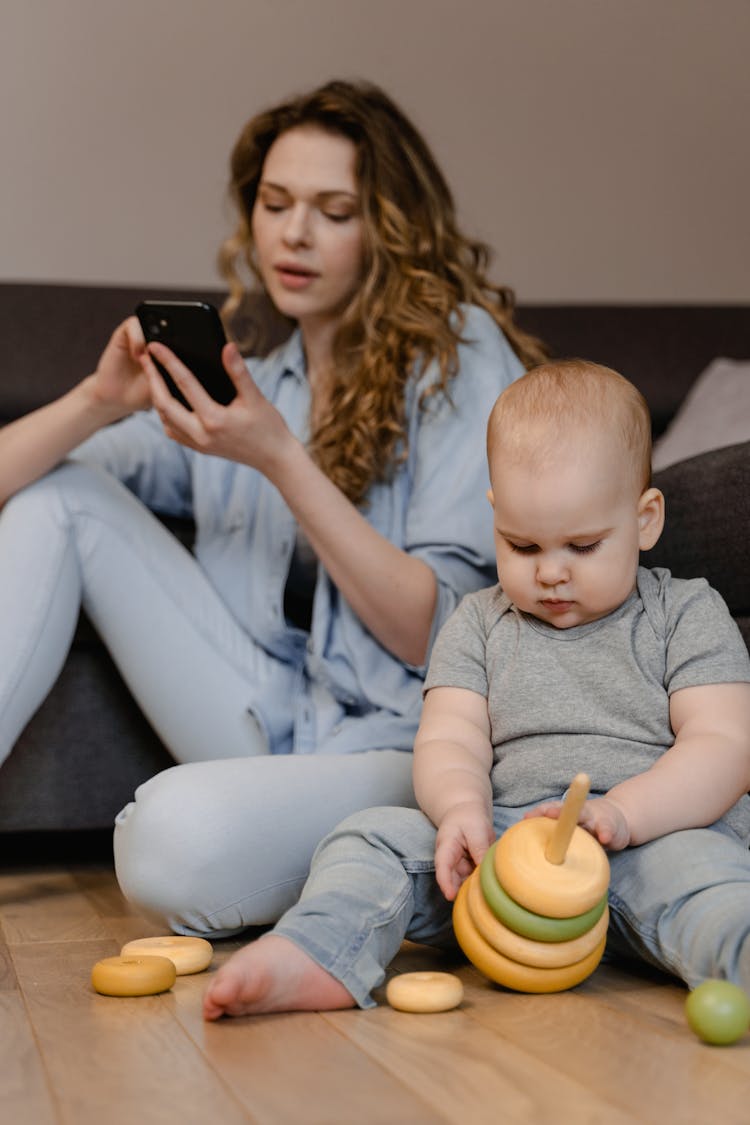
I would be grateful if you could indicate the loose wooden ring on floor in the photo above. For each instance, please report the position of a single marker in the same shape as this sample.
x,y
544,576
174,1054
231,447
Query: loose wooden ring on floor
x,y
133,975
424,992
188,954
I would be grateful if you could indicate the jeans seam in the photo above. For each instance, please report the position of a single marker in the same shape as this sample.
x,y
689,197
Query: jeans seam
x,y
26,659
87,514
342,965
383,918
647,934
239,902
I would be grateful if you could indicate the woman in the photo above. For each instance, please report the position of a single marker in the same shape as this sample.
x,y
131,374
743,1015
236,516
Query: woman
x,y
336,501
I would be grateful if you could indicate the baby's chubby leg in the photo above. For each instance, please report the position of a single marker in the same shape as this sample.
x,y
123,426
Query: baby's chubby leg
x,y
371,884
682,902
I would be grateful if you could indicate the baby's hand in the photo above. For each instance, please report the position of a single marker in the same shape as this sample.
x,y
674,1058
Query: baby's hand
x,y
464,835
600,816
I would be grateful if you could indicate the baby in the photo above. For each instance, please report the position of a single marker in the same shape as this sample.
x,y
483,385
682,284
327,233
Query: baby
x,y
578,660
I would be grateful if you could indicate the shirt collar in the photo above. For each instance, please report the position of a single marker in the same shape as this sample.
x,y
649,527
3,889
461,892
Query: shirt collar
x,y
292,357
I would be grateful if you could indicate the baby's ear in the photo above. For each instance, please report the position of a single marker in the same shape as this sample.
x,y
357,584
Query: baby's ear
x,y
650,518
491,497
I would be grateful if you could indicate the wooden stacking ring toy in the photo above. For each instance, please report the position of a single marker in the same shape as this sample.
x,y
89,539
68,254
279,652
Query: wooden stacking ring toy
x,y
558,889
533,916
424,992
133,975
188,954
513,974
543,954
525,922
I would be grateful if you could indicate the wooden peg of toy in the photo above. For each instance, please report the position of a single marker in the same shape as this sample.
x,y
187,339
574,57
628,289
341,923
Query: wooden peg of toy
x,y
575,799
574,882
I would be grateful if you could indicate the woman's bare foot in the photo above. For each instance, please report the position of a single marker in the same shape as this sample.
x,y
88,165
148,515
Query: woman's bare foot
x,y
272,974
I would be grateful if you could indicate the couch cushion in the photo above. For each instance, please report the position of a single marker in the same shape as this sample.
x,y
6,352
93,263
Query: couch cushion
x,y
715,413
706,534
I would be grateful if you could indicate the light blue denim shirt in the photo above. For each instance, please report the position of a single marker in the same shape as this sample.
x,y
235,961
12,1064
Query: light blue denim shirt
x,y
354,695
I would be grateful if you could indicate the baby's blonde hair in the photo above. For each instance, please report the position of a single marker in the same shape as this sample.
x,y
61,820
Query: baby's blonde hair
x,y
558,403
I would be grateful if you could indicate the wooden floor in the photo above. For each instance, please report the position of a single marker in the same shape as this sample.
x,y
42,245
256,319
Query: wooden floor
x,y
615,1050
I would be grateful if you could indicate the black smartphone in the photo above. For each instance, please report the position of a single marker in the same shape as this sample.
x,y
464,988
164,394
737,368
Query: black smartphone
x,y
194,332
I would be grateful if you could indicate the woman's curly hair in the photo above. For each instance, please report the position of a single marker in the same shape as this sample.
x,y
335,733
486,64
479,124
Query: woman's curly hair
x,y
418,270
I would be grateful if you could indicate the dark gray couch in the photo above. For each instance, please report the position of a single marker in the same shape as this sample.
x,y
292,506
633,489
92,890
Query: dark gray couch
x,y
83,754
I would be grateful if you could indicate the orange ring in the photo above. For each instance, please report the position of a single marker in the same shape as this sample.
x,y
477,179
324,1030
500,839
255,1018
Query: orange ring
x,y
502,970
133,976
557,890
188,954
424,992
538,927
539,954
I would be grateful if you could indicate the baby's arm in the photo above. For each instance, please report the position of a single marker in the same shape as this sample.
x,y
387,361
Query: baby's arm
x,y
704,772
452,763
692,784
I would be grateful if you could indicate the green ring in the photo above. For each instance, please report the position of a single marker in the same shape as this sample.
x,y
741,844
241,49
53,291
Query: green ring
x,y
538,927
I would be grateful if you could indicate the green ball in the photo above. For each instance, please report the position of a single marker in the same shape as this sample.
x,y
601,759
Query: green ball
x,y
718,1012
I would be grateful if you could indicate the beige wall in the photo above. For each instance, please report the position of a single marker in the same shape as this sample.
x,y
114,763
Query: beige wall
x,y
600,146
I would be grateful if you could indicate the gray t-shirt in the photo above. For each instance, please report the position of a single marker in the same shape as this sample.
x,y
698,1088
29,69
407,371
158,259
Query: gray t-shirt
x,y
593,698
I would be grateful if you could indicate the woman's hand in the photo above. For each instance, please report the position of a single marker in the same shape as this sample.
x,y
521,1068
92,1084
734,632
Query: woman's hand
x,y
119,382
392,592
249,430
34,444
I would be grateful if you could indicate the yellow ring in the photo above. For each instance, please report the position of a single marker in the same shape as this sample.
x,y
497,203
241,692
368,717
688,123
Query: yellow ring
x,y
558,890
538,927
502,970
133,976
541,954
424,992
188,954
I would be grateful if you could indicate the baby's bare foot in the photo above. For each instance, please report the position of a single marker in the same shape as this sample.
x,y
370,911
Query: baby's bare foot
x,y
272,974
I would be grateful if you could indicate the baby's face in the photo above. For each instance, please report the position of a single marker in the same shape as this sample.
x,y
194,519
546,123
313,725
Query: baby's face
x,y
567,536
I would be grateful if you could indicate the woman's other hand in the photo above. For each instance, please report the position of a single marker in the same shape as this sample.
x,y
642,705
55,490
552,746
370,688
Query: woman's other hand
x,y
119,380
34,444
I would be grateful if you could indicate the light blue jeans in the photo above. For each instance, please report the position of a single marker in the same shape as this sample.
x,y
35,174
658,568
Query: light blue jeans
x,y
681,903
225,841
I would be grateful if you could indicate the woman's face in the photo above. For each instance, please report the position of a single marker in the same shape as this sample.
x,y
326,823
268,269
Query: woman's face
x,y
307,226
